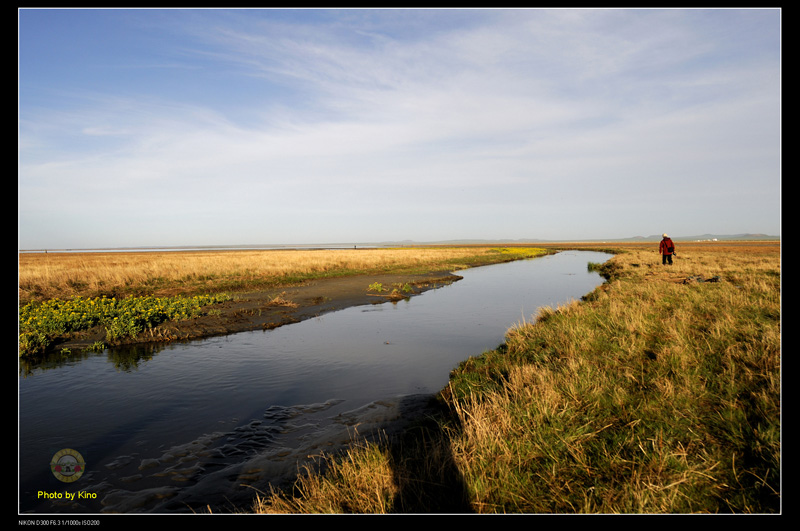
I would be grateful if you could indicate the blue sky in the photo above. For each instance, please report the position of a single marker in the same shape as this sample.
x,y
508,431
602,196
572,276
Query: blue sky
x,y
142,127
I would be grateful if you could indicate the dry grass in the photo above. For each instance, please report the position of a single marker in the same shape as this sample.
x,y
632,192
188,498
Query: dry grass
x,y
360,481
659,394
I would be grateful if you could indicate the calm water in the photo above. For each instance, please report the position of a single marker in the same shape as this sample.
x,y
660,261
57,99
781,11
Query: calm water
x,y
187,425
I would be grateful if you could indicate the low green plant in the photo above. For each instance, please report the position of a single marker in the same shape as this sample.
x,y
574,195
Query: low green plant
x,y
41,323
97,346
375,286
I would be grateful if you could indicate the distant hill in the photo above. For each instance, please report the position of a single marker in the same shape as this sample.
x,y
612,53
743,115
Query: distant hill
x,y
706,237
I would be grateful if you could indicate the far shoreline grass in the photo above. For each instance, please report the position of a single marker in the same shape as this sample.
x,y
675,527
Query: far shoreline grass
x,y
44,276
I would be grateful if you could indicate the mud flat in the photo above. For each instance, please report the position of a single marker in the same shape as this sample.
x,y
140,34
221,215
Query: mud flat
x,y
263,310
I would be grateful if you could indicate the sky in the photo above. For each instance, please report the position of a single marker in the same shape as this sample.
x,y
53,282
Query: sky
x,y
173,127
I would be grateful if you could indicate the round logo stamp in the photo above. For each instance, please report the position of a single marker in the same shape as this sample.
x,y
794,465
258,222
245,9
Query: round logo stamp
x,y
67,465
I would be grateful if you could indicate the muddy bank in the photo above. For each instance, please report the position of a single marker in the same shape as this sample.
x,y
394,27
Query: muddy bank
x,y
276,307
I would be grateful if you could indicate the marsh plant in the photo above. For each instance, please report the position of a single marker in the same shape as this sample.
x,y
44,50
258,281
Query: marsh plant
x,y
282,300
376,287
41,323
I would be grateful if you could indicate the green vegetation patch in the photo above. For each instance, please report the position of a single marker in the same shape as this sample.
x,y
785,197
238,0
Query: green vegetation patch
x,y
41,323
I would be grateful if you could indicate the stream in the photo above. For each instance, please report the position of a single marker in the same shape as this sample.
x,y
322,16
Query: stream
x,y
177,428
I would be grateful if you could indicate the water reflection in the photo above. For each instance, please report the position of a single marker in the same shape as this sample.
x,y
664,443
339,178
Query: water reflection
x,y
124,359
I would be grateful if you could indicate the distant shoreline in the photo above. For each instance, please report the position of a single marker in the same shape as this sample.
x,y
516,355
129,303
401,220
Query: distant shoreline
x,y
200,248
403,243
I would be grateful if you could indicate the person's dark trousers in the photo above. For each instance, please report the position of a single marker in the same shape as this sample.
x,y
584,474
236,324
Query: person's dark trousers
x,y
666,259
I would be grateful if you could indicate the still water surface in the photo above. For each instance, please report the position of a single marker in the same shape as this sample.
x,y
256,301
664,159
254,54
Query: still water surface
x,y
177,428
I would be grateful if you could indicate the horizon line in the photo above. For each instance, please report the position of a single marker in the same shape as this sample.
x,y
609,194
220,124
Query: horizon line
x,y
701,237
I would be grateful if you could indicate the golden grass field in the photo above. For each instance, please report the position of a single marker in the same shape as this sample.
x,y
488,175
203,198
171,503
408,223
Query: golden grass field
x,y
49,275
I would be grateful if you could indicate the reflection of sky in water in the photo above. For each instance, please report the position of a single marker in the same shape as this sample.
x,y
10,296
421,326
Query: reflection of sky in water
x,y
352,357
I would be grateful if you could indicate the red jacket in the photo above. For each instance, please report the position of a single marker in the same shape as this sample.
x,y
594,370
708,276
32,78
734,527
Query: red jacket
x,y
666,246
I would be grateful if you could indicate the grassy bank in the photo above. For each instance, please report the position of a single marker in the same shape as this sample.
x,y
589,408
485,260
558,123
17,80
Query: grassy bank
x,y
660,393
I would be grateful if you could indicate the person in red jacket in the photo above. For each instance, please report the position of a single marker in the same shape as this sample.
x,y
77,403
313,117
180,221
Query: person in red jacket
x,y
667,249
